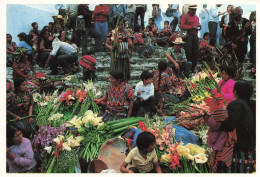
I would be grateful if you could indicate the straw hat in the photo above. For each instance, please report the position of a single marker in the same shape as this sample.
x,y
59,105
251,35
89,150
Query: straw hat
x,y
60,17
193,6
178,40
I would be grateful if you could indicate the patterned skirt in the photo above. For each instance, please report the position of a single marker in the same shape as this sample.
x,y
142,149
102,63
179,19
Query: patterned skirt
x,y
122,65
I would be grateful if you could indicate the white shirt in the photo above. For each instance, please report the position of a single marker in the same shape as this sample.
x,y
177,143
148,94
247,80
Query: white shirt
x,y
213,14
63,48
146,91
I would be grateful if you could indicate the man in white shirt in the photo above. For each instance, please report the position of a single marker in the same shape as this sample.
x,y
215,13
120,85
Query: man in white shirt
x,y
214,20
62,53
144,91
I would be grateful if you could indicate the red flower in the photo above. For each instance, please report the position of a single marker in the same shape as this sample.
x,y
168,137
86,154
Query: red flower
x,y
174,161
56,154
142,126
59,146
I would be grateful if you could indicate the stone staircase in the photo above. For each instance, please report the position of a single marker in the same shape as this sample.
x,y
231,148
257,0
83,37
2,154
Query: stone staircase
x,y
137,66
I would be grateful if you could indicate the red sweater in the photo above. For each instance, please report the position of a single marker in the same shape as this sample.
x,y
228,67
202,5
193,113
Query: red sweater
x,y
99,14
188,22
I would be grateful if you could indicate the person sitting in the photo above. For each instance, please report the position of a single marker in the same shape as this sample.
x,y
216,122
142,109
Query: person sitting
x,y
144,91
177,59
44,47
25,42
240,126
119,98
19,155
143,158
22,67
64,54
164,35
59,28
206,50
20,104
34,33
10,48
143,49
152,30
163,85
226,84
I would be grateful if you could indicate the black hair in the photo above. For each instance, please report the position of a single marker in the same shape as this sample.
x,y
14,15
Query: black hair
x,y
244,90
228,70
34,23
24,37
212,42
206,34
10,132
17,82
9,35
146,75
162,67
46,43
167,22
51,23
118,75
144,140
137,28
151,19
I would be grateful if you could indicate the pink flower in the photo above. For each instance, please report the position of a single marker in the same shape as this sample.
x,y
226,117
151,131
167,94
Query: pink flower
x,y
161,148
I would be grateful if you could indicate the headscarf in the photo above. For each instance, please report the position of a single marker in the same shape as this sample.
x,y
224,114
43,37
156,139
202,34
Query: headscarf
x,y
19,53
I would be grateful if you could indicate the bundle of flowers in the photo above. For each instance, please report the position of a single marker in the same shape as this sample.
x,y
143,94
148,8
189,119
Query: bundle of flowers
x,y
59,145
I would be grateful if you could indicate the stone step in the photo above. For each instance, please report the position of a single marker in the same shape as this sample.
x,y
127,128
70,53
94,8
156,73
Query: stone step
x,y
133,67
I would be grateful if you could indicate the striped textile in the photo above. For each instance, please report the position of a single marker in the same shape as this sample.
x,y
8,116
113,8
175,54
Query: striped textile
x,y
226,154
220,115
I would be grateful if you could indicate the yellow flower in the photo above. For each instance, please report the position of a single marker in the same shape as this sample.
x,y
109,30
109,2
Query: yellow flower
x,y
203,75
201,158
190,157
58,139
182,150
165,158
66,146
87,118
89,112
71,97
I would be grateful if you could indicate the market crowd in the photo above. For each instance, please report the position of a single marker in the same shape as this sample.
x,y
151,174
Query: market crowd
x,y
119,29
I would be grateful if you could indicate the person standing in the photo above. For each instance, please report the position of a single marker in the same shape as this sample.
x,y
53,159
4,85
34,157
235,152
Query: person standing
x,y
101,13
114,11
73,13
190,22
239,40
131,8
174,8
83,9
225,19
204,20
214,20
140,11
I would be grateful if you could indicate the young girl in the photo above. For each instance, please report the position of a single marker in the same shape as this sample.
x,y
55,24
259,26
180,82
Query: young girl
x,y
143,158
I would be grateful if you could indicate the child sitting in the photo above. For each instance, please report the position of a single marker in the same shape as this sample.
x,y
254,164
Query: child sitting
x,y
144,91
143,158
164,35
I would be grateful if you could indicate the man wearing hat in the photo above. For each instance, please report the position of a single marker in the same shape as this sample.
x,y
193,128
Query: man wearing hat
x,y
177,59
239,40
190,23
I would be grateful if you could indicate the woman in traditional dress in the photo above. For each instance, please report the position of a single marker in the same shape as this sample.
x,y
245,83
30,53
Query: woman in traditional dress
x,y
22,67
120,44
10,48
143,49
20,104
119,98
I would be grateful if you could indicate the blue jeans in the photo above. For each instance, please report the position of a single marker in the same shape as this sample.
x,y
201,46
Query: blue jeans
x,y
102,29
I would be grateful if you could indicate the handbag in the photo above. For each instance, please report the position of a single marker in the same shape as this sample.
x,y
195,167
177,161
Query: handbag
x,y
80,24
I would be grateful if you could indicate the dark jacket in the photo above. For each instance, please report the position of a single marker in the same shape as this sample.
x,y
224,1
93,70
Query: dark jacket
x,y
233,31
241,117
83,9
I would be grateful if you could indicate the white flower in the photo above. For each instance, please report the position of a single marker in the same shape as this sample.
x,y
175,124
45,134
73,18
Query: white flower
x,y
66,146
36,97
201,158
98,94
48,149
89,112
43,103
58,139
79,138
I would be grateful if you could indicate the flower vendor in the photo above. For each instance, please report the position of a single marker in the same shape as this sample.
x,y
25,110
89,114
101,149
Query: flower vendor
x,y
20,104
120,43
119,98
143,157
22,67
20,156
